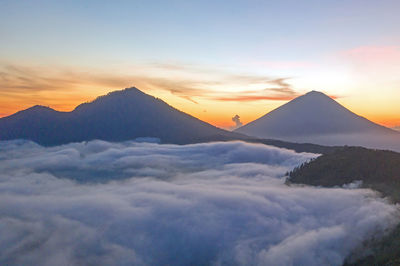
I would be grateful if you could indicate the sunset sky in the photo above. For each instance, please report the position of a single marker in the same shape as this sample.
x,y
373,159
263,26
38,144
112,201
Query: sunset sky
x,y
211,59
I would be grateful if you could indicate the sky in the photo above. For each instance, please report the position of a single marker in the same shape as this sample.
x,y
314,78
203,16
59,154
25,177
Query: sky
x,y
211,59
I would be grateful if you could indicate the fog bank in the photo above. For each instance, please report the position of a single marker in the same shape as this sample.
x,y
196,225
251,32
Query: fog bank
x,y
101,203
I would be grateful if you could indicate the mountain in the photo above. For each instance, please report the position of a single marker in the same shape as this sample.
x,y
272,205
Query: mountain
x,y
118,116
377,169
317,118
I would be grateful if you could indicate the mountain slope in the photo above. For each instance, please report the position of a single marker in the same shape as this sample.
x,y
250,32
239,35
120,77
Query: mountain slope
x,y
378,170
316,118
118,116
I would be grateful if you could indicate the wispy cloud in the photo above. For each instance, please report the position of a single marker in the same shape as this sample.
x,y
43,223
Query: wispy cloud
x,y
249,98
380,62
17,78
187,81
375,54
282,91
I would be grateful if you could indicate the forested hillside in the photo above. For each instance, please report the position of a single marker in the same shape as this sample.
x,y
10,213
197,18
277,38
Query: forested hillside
x,y
377,169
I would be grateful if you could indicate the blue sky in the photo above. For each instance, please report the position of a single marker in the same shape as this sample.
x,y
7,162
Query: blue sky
x,y
206,31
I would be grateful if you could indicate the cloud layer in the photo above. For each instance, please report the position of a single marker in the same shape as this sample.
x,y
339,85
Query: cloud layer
x,y
101,203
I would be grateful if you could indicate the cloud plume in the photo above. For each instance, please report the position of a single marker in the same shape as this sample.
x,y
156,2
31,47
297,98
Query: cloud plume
x,y
100,203
237,121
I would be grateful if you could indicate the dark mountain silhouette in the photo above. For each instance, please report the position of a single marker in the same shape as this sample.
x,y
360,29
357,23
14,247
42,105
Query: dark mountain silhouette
x,y
117,116
317,118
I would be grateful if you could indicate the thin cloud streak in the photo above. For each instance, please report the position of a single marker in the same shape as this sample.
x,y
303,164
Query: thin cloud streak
x,y
284,92
251,98
189,82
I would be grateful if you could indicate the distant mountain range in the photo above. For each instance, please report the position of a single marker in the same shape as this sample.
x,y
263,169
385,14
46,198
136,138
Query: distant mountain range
x,y
118,116
317,118
131,114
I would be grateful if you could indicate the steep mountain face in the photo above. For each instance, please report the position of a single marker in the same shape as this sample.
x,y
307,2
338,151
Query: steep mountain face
x,y
118,116
316,118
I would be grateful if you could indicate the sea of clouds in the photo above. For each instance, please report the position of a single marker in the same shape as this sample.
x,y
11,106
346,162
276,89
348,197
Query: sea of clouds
x,y
101,203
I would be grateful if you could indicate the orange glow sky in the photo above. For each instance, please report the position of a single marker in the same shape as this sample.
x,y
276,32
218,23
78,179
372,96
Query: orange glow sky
x,y
246,58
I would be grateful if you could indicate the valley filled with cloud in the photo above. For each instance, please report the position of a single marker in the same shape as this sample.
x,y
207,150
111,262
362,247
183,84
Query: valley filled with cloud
x,y
130,203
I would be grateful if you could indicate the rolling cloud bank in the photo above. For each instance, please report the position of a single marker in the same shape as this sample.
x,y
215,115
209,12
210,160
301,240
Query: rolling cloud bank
x,y
101,203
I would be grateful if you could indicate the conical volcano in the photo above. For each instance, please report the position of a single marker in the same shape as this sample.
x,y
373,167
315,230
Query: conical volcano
x,y
317,118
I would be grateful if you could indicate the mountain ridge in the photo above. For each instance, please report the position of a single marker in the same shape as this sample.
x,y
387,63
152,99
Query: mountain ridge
x,y
317,118
118,116
314,101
